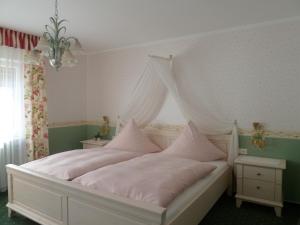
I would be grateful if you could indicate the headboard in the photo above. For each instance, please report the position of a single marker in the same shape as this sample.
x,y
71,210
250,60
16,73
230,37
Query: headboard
x,y
163,135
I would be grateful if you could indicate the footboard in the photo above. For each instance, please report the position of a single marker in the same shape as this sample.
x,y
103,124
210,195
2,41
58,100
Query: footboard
x,y
50,201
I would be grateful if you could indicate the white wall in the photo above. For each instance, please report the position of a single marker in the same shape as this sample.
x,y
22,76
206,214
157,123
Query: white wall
x,y
249,74
66,92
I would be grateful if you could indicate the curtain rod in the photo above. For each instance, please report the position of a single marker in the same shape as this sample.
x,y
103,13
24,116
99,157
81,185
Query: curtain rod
x,y
160,57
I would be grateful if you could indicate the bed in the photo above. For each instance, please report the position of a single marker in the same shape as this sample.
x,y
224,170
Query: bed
x,y
51,201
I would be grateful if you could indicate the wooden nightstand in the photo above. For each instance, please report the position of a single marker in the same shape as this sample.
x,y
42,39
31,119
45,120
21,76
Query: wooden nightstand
x,y
259,180
92,143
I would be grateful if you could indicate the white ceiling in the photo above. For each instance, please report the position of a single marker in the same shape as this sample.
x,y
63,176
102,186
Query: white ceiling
x,y
107,24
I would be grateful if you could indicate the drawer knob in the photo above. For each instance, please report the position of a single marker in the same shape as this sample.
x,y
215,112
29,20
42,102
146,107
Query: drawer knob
x,y
258,174
258,187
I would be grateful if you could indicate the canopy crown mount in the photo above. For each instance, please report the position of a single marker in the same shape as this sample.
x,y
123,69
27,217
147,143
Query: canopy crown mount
x,y
161,57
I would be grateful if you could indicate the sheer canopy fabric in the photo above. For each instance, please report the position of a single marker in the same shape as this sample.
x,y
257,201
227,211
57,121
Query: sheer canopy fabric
x,y
149,96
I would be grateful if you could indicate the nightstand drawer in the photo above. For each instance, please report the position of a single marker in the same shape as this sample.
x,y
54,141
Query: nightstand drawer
x,y
259,173
259,189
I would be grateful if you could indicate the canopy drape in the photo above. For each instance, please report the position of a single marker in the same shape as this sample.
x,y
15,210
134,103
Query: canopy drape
x,y
149,96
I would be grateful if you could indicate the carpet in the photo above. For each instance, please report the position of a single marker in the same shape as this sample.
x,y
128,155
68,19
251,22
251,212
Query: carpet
x,y
16,219
223,213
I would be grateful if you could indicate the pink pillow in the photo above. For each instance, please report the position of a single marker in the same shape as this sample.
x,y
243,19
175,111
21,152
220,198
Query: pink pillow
x,y
193,145
131,138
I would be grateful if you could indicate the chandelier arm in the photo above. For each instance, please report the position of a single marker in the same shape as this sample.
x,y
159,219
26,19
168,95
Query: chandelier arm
x,y
50,29
67,44
64,43
61,42
61,21
48,37
64,29
53,20
71,38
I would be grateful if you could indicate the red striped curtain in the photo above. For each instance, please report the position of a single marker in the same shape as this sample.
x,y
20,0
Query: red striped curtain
x,y
15,39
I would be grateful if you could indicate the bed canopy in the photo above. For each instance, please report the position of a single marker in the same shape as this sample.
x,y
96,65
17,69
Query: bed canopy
x,y
150,92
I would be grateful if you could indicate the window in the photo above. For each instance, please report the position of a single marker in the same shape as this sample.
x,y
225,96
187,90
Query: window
x,y
11,104
12,113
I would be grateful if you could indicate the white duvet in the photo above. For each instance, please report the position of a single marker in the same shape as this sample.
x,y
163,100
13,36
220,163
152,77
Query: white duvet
x,y
155,178
72,164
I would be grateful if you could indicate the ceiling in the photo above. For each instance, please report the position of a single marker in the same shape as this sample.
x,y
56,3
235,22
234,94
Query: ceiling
x,y
107,24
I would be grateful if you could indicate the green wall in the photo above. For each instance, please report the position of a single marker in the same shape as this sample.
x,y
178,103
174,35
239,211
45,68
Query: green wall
x,y
67,138
281,148
92,130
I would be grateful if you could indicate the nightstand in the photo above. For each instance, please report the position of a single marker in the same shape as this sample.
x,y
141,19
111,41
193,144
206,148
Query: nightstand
x,y
259,180
92,143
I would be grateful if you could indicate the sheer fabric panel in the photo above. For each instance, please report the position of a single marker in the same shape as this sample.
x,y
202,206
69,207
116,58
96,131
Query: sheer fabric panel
x,y
150,94
147,98
12,124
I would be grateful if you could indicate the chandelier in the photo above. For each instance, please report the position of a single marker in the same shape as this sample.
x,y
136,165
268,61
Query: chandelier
x,y
58,49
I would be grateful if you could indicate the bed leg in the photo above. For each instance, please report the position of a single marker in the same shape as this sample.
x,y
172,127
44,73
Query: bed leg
x,y
230,186
238,203
277,211
10,191
229,191
9,213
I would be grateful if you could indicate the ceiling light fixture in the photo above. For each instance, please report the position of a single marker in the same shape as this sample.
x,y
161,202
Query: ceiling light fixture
x,y
59,49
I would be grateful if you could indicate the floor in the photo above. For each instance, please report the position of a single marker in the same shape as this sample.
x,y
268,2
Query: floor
x,y
223,213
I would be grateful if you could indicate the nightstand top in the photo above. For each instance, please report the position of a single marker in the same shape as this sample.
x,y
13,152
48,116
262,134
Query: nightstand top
x,y
95,142
261,161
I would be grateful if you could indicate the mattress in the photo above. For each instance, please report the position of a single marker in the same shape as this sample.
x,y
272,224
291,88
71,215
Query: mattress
x,y
189,194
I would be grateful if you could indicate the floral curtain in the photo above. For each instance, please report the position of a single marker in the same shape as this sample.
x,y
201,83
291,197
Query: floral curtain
x,y
36,112
35,100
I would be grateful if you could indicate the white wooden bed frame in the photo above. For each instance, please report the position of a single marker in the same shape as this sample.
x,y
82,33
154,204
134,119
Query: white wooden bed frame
x,y
51,201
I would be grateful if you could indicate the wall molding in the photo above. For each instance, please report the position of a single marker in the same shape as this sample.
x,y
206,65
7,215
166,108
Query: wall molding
x,y
67,124
272,134
77,123
198,35
243,132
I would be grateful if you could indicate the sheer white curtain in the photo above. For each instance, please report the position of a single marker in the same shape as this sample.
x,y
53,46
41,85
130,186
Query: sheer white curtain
x,y
206,122
149,96
12,116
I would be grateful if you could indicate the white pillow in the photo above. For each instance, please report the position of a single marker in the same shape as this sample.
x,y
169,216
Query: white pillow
x,y
193,145
131,138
